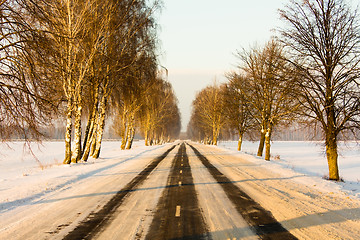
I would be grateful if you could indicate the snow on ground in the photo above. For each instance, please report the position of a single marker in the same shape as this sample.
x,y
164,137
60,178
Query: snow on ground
x,y
24,177
308,158
293,189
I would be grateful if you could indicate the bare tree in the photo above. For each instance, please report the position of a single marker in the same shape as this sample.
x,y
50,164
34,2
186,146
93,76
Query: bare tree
x,y
27,99
270,89
128,100
237,111
85,47
208,113
132,36
323,40
70,34
158,112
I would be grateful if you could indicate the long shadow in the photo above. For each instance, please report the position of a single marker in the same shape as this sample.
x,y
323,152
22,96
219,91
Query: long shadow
x,y
259,219
353,214
155,188
95,221
323,218
7,206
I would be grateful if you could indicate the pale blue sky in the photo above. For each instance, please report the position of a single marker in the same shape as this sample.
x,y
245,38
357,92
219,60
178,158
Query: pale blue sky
x,y
199,39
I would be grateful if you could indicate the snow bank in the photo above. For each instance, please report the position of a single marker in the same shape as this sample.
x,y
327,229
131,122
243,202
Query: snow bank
x,y
291,158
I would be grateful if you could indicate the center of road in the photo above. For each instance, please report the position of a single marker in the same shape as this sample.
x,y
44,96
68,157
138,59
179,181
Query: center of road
x,y
178,214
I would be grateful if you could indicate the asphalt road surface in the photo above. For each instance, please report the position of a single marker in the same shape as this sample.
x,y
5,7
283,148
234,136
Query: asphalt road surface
x,y
178,214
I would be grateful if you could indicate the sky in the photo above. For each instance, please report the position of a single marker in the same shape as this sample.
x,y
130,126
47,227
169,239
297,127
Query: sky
x,y
199,40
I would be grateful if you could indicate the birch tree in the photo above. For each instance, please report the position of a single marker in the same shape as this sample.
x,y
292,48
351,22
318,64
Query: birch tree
x,y
128,100
208,113
27,100
323,40
132,34
70,33
85,46
157,110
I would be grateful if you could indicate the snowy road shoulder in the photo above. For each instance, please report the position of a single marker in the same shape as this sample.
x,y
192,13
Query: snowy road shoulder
x,y
307,211
23,181
307,164
91,186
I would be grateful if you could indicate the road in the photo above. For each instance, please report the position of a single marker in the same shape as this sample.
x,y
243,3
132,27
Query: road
x,y
188,191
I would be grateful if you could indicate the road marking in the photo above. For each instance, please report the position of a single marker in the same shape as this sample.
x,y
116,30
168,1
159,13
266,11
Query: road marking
x,y
182,164
177,213
180,183
180,171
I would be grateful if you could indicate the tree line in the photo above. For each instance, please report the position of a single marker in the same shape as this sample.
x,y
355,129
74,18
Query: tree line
x,y
308,74
84,61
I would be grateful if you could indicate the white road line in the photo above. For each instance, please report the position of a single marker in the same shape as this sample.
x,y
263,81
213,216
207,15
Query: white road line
x,y
177,213
180,183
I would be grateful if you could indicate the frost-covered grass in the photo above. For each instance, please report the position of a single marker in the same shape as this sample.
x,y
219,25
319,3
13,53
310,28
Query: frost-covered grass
x,y
309,158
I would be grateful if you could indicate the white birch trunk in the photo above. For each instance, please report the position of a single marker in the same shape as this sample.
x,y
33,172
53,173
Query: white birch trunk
x,y
67,159
131,132
124,130
267,143
100,129
76,155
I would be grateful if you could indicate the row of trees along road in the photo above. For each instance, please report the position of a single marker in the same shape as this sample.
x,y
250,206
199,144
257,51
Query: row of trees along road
x,y
82,60
309,73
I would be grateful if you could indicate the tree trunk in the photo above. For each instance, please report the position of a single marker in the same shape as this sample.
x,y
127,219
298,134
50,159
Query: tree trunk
x,y
86,151
131,140
147,131
88,138
100,129
240,142
131,132
88,131
124,132
261,143
77,138
67,159
94,136
214,141
331,146
332,156
267,143
146,138
215,135
90,127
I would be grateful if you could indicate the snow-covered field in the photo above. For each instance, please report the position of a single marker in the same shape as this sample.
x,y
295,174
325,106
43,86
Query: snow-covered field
x,y
309,158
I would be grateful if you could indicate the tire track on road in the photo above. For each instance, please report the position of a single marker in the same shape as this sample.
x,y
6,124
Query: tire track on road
x,y
178,215
261,220
96,221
